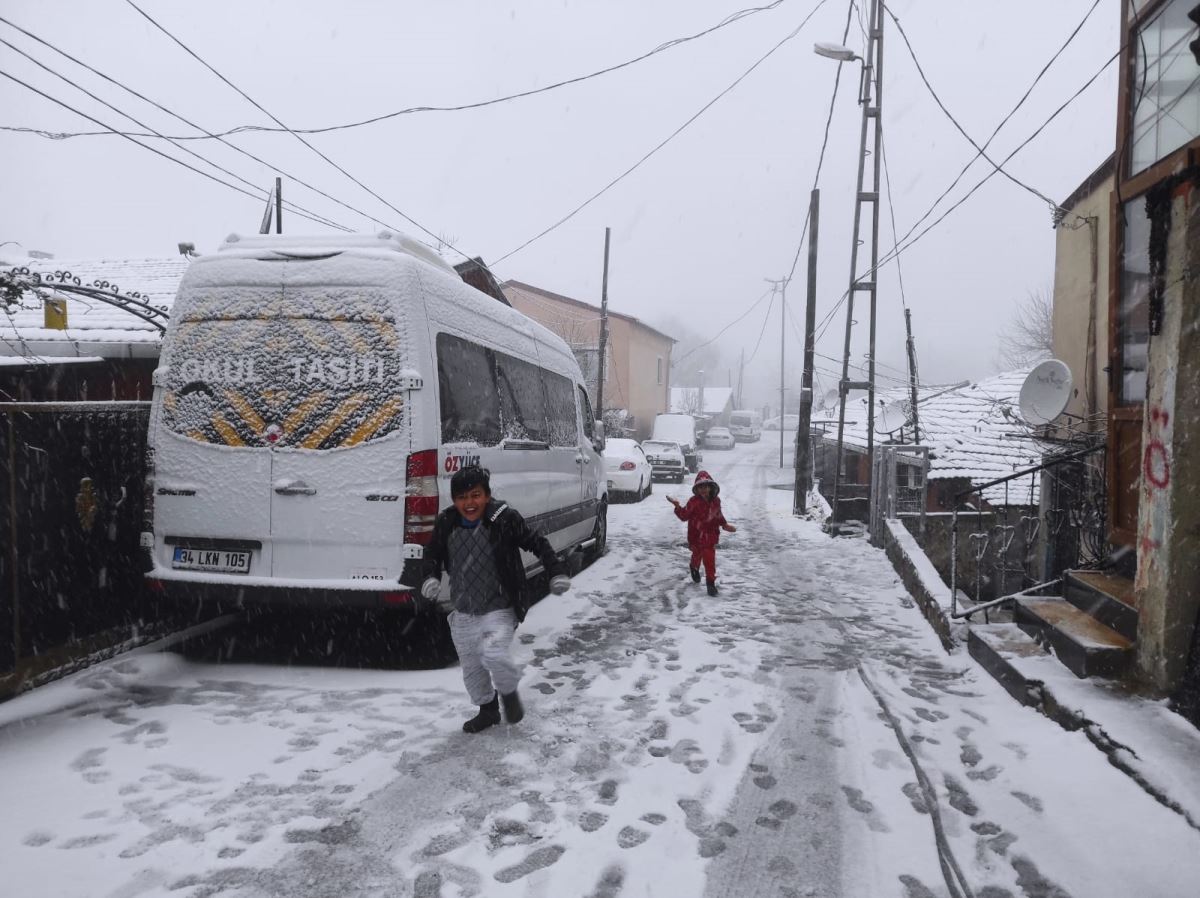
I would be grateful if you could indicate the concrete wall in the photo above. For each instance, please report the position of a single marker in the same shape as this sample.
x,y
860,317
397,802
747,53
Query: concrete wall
x,y
1081,291
1168,547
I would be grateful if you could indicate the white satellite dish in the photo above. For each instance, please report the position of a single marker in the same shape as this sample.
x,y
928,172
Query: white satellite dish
x,y
1046,392
891,417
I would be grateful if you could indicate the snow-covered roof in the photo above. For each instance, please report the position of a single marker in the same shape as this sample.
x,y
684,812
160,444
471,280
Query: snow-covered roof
x,y
92,322
687,400
973,431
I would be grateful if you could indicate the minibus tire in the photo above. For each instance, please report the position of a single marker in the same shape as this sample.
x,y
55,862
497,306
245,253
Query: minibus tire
x,y
599,534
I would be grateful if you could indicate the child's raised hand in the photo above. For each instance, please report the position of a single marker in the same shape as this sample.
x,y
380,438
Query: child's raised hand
x,y
673,501
729,528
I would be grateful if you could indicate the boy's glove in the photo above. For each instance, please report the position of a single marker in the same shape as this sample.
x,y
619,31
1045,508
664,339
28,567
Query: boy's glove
x,y
430,588
560,584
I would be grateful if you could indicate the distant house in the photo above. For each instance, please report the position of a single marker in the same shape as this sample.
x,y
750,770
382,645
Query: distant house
x,y
973,434
637,358
712,403
104,352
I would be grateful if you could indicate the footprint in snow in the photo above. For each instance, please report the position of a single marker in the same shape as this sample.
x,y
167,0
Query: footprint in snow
x,y
631,837
538,859
590,821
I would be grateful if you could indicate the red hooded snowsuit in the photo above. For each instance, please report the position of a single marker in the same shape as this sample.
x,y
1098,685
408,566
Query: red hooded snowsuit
x,y
704,520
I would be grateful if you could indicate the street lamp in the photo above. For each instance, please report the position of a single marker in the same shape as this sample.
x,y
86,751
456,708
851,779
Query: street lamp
x,y
835,51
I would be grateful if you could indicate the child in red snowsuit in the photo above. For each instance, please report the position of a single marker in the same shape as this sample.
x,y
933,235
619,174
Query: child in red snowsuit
x,y
705,523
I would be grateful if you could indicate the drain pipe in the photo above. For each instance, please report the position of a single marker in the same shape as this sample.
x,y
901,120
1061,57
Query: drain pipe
x,y
954,560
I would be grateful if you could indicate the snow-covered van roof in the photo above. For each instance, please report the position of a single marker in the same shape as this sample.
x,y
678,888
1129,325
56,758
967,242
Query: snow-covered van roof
x,y
973,431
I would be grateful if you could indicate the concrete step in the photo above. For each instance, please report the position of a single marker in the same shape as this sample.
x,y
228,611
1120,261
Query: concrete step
x,y
998,649
1106,597
1087,647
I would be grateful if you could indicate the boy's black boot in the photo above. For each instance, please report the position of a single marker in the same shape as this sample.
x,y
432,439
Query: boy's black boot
x,y
513,712
712,588
695,572
488,716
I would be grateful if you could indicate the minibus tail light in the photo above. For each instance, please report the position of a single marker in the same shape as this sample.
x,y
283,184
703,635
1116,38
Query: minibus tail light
x,y
421,497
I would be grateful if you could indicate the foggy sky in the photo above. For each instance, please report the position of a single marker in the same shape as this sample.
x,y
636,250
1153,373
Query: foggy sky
x,y
696,229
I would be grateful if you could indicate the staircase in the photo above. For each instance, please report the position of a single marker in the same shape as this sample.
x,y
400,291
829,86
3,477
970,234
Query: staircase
x,y
1091,628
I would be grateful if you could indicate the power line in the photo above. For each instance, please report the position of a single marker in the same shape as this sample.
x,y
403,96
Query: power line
x,y
603,190
718,334
154,150
668,45
1004,121
837,80
259,107
942,106
766,319
887,180
297,209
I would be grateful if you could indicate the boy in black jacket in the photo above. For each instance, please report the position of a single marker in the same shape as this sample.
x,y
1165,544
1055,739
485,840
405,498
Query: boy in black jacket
x,y
478,542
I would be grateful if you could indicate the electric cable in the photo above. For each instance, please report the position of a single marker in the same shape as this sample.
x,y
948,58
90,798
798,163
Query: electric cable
x,y
949,115
667,45
766,319
1004,121
719,333
837,80
603,190
260,108
144,146
264,194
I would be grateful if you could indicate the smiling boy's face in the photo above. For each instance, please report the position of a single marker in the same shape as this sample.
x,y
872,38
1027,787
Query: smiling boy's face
x,y
472,503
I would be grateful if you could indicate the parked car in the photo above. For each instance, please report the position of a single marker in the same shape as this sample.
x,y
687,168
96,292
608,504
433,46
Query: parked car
x,y
746,425
718,438
314,397
680,429
629,473
790,422
666,460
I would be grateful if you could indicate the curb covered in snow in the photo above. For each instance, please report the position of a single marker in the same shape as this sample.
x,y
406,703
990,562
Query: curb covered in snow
x,y
921,579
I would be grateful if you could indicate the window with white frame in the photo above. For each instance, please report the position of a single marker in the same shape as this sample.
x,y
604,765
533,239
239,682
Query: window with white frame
x,y
1165,104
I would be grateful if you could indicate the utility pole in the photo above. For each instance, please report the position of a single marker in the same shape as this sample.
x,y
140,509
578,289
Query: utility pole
x,y
803,482
781,286
279,205
912,375
741,374
603,331
872,122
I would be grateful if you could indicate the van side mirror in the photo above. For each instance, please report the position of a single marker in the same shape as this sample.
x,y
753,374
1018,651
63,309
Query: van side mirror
x,y
598,437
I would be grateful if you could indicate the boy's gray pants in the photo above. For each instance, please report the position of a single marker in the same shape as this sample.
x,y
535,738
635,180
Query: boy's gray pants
x,y
483,642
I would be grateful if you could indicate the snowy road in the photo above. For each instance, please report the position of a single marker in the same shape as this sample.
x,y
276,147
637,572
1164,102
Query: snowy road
x,y
804,734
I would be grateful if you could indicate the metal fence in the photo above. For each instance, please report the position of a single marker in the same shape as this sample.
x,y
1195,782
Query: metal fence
x,y
899,477
71,497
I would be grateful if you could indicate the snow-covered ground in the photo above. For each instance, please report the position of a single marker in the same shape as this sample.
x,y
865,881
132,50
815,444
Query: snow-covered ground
x,y
804,734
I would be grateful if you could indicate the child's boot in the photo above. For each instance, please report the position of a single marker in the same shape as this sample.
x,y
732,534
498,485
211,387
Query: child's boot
x,y
513,712
488,716
712,588
695,572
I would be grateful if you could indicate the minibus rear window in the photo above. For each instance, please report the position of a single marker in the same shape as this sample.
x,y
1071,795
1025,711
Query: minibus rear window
x,y
298,382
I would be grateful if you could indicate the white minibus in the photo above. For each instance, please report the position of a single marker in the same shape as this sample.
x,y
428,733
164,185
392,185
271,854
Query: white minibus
x,y
314,397
746,425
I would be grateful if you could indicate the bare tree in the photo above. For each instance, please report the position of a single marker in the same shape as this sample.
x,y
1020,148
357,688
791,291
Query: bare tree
x,y
1029,336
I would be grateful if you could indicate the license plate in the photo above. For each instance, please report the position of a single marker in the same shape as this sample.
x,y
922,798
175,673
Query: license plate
x,y
610,484
220,560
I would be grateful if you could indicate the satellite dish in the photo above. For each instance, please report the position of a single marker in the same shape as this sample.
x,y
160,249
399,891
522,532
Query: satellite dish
x,y
891,417
1046,392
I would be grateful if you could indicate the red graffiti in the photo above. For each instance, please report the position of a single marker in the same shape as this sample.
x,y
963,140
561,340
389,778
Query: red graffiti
x,y
1150,545
1156,463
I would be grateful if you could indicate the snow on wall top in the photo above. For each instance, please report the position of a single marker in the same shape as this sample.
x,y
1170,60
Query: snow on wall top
x,y
92,321
973,431
686,400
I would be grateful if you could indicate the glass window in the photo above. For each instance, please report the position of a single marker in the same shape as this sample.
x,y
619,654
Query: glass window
x,y
1133,311
560,406
522,400
589,426
470,401
240,373
1166,86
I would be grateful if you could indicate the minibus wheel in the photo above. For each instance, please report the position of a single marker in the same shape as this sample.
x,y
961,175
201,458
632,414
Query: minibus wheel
x,y
599,533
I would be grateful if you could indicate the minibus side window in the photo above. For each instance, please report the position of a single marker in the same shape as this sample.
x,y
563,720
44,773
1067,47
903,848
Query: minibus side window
x,y
522,400
470,401
589,427
560,396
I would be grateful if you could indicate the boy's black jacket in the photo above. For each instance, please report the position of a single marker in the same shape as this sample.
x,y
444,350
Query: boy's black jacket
x,y
508,534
